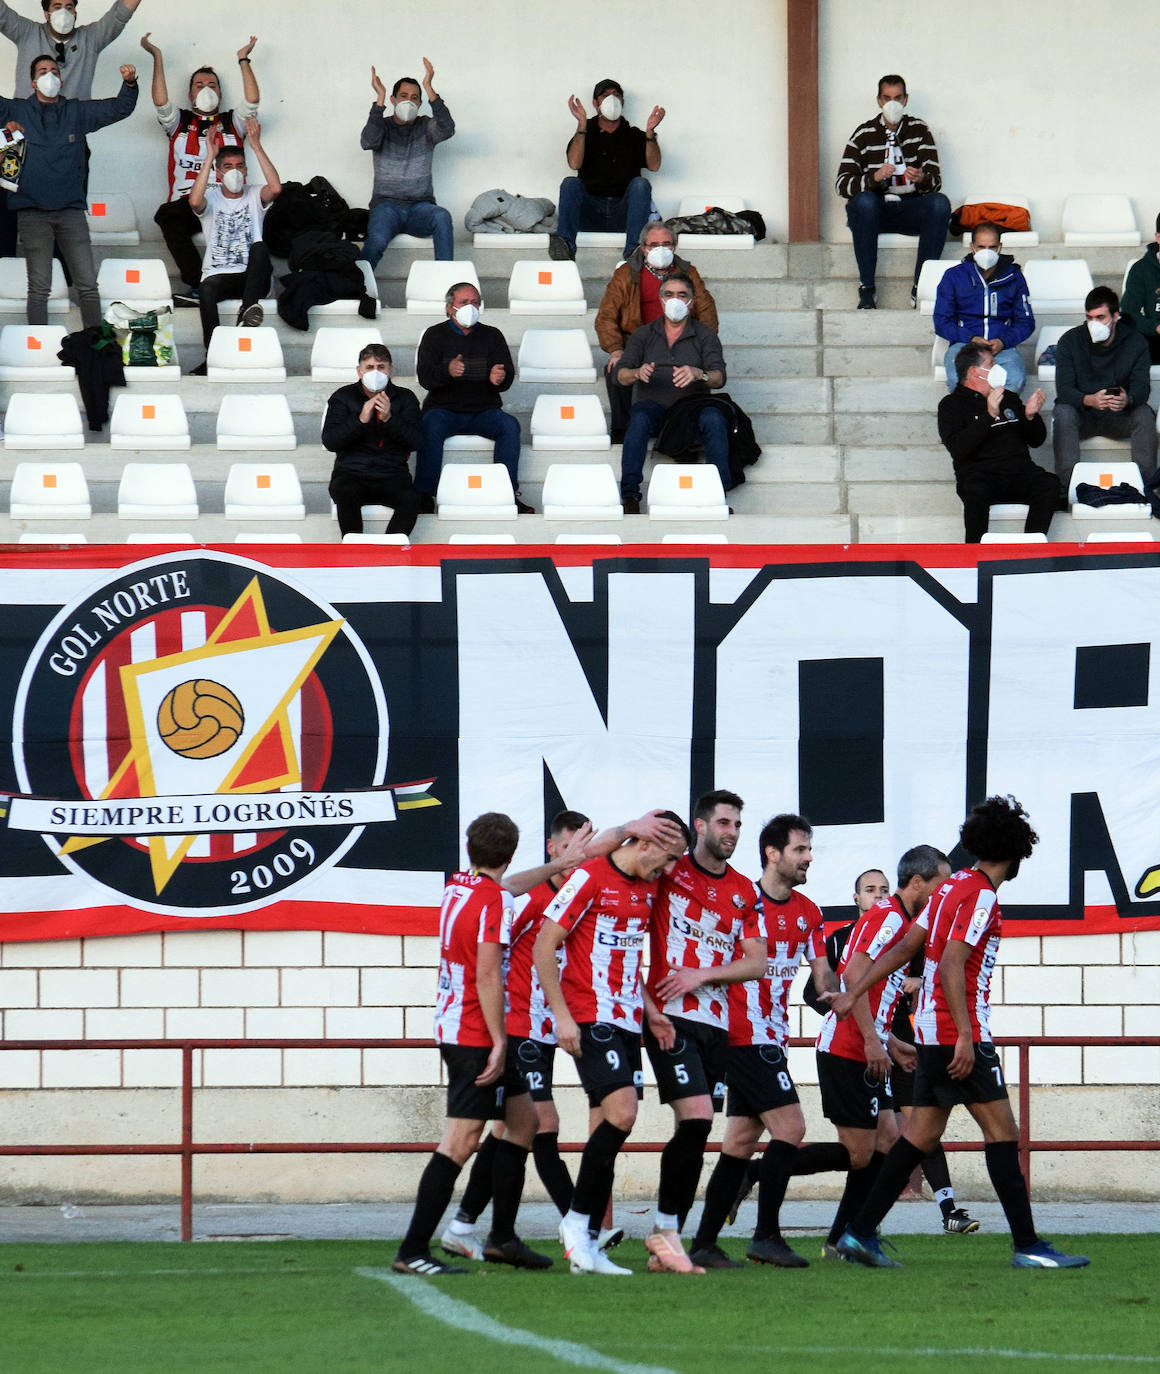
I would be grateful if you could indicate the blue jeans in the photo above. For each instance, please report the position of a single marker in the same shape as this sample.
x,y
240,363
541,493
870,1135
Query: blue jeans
x,y
440,425
645,420
424,219
868,214
603,214
1006,357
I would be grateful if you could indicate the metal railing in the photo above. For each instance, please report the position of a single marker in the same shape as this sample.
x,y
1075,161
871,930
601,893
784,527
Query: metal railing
x,y
188,1147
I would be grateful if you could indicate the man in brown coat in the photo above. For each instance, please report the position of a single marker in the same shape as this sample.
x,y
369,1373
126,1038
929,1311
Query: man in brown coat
x,y
632,298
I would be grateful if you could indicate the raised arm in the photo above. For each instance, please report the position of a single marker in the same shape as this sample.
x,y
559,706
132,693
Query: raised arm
x,y
214,142
250,91
273,186
903,952
159,90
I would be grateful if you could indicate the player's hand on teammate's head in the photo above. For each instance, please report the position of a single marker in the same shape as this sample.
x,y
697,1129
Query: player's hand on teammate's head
x,y
653,828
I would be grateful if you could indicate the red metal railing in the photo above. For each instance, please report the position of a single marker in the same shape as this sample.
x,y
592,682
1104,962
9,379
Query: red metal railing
x,y
188,1147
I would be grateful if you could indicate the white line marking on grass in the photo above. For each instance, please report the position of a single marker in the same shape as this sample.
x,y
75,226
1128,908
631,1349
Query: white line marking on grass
x,y
432,1303
966,1352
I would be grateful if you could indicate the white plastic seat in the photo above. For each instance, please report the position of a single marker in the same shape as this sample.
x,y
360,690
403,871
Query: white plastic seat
x,y
161,537
260,423
938,354
589,538
14,287
49,491
1107,475
373,514
28,353
245,355
581,491
555,355
1120,537
481,539
1011,238
569,422
49,537
401,541
992,537
157,491
428,283
1106,220
349,305
695,539
43,419
264,491
269,537
334,354
111,219
1009,510
928,280
599,238
698,205
149,422
141,282
481,239
545,287
1057,286
686,491
1045,336
475,491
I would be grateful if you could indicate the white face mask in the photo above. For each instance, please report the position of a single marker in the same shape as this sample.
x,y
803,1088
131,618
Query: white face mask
x,y
676,309
466,316
1098,331
612,107
375,381
997,377
63,21
986,258
660,257
207,100
893,111
233,180
406,111
48,84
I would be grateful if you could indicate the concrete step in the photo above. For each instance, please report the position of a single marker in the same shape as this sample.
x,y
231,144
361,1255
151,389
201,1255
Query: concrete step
x,y
908,360
865,465
837,259
910,529
903,498
886,431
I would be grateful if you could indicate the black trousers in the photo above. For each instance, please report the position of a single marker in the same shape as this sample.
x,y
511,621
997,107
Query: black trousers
x,y
995,481
350,492
250,285
178,225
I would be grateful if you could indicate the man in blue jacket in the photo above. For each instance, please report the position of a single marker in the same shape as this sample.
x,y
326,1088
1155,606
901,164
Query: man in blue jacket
x,y
50,204
984,300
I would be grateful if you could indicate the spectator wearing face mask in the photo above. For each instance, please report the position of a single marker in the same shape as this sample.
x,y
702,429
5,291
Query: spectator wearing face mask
x,y
632,298
989,433
673,357
189,131
1102,386
50,203
984,300
403,144
237,262
890,177
607,193
372,427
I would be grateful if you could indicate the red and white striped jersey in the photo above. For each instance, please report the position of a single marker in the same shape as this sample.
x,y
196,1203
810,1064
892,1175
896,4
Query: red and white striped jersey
x,y
528,1013
699,920
472,915
606,914
793,932
966,908
875,931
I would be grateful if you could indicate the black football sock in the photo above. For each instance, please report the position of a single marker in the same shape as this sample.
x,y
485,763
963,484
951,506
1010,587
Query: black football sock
x,y
1002,1158
936,1173
552,1170
436,1185
897,1167
772,1181
507,1182
858,1185
724,1182
597,1168
477,1194
829,1157
681,1162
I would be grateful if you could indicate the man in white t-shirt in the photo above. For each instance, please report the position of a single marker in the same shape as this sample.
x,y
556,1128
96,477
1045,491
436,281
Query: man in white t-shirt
x,y
236,262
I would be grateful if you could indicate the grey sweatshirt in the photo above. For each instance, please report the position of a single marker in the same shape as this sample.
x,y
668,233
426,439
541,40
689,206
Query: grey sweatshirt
x,y
402,152
82,47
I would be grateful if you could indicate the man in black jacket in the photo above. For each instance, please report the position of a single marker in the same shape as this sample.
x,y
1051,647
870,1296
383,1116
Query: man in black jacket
x,y
987,431
372,427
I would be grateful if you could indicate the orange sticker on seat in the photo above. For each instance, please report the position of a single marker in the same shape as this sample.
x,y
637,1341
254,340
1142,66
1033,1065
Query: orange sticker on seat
x,y
33,343
708,208
149,412
685,483
97,209
49,480
567,412
1105,479
474,482
245,344
263,481
133,276
545,278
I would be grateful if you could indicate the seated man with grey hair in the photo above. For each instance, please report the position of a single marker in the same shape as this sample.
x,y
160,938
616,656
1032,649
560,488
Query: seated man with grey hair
x,y
673,357
632,298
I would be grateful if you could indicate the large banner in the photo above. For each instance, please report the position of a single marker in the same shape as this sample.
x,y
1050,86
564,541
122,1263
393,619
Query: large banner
x,y
199,737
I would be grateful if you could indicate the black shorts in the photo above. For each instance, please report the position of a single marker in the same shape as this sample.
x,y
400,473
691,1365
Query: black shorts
x,y
609,1059
934,1087
533,1061
695,1066
465,1098
901,1087
850,1097
759,1080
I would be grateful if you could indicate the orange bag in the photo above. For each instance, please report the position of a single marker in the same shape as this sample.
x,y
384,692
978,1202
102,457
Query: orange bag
x,y
1005,216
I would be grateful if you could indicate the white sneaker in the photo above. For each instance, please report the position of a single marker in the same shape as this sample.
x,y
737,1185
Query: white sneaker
x,y
578,1247
609,1238
603,1265
465,1243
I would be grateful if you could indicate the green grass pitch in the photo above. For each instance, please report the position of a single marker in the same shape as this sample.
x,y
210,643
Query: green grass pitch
x,y
297,1306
